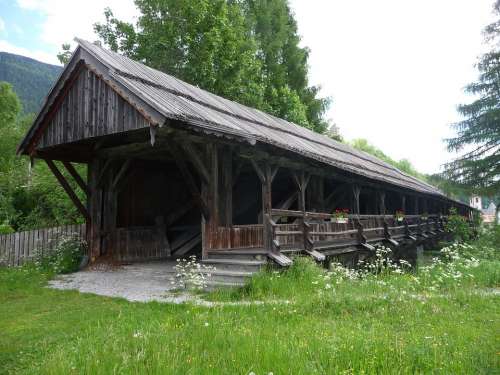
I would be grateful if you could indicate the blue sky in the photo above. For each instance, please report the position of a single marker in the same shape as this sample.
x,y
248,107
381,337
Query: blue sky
x,y
395,69
22,28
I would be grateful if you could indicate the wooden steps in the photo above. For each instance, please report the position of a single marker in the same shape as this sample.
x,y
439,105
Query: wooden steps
x,y
234,267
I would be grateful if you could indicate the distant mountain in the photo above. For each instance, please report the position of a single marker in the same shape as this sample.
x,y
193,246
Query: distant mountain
x,y
31,79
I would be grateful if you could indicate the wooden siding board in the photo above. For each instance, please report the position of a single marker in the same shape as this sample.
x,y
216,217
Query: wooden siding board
x,y
91,108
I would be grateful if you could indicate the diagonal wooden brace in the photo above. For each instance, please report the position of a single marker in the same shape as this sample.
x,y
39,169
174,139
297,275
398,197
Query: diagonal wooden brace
x,y
66,186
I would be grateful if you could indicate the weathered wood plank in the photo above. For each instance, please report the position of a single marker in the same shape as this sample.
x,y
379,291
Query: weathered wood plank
x,y
62,181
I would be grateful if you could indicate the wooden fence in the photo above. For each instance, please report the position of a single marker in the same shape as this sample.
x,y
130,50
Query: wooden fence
x,y
17,248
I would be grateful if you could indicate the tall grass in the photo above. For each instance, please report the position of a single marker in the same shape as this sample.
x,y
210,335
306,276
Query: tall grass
x,y
314,321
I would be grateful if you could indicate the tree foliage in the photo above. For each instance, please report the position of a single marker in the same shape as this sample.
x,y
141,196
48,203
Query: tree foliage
x,y
478,168
65,54
28,199
284,64
247,51
403,164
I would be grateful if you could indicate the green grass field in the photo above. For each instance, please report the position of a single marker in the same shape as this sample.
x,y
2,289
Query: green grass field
x,y
433,321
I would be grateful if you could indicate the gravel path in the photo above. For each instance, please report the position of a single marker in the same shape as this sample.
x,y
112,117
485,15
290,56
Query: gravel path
x,y
139,282
142,282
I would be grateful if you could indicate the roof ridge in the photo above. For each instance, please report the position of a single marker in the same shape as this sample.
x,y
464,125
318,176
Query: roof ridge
x,y
218,109
326,142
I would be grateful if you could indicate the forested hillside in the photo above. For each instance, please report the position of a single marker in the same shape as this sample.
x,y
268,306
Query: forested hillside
x,y
30,79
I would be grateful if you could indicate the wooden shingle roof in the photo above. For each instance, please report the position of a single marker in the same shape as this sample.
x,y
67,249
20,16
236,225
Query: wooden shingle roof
x,y
178,100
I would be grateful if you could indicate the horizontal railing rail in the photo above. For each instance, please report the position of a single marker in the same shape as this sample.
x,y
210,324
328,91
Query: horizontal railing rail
x,y
359,228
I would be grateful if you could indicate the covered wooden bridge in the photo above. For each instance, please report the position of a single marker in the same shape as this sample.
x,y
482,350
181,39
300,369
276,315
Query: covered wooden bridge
x,y
173,169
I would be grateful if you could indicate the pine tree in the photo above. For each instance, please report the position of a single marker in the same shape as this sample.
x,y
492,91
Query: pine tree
x,y
478,169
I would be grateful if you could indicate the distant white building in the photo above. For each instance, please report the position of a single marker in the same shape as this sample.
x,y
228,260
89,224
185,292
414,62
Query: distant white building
x,y
476,202
487,214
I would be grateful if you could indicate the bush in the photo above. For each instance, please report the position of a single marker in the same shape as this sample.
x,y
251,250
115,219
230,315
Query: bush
x,y
5,228
458,226
64,257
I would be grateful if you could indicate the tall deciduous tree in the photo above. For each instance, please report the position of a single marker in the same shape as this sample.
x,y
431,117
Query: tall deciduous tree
x,y
204,42
244,50
479,133
284,64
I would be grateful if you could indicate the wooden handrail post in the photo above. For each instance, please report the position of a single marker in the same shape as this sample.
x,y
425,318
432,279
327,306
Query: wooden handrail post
x,y
273,241
306,230
359,227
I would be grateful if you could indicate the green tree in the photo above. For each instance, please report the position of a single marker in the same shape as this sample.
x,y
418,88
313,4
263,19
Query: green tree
x,y
478,169
28,198
284,64
244,50
403,164
65,54
205,43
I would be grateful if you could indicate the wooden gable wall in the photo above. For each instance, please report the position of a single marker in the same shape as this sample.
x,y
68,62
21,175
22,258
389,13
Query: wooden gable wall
x,y
90,108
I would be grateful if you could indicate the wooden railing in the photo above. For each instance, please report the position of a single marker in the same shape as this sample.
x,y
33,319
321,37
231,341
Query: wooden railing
x,y
313,230
235,237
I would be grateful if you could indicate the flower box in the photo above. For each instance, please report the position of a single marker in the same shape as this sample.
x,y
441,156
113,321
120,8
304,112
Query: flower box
x,y
340,220
399,215
340,216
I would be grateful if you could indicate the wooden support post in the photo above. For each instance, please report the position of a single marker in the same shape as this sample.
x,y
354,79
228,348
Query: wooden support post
x,y
66,186
152,133
214,184
79,180
227,187
266,175
302,179
403,203
417,208
356,190
381,199
95,209
210,194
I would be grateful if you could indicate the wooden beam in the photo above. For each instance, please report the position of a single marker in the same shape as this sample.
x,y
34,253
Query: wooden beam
x,y
356,190
302,180
213,188
286,203
66,186
258,170
227,187
196,160
152,133
94,226
119,176
79,180
189,180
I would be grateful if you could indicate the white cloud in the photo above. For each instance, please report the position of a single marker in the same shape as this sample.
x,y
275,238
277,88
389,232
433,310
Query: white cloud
x,y
39,55
65,19
395,69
